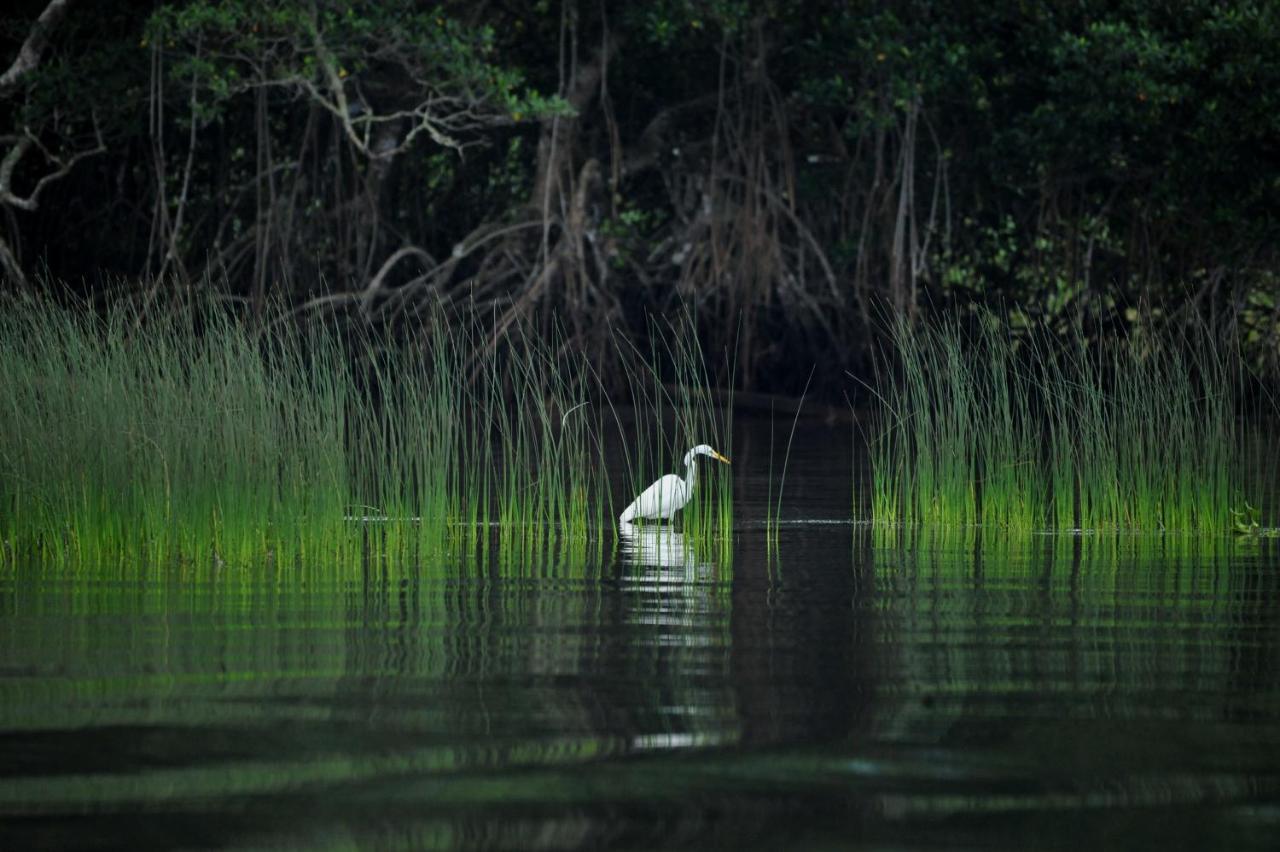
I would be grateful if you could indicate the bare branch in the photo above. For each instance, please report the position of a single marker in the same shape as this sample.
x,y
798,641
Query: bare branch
x,y
64,165
32,50
341,109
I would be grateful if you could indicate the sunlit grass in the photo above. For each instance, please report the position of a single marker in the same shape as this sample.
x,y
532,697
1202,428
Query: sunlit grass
x,y
161,440
191,436
978,429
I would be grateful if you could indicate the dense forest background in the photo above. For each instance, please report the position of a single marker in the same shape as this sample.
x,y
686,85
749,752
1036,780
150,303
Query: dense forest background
x,y
795,175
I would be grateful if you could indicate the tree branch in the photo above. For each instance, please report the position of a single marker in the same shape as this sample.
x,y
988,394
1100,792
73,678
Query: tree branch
x,y
32,50
21,146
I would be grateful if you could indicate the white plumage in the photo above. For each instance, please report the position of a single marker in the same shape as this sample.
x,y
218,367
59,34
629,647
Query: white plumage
x,y
670,494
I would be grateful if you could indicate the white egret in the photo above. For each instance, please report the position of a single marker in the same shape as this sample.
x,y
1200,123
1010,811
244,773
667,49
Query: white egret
x,y
669,494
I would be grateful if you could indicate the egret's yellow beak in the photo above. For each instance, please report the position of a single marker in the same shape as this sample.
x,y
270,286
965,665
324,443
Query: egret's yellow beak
x,y
719,457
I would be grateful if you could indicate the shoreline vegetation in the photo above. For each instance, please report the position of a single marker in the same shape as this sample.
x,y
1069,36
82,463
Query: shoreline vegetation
x,y
191,434
1146,432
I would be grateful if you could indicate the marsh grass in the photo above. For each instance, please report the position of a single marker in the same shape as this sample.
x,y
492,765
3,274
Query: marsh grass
x,y
117,441
191,436
709,517
673,409
976,428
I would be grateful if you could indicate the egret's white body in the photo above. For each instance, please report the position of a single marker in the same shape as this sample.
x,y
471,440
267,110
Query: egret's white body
x,y
670,494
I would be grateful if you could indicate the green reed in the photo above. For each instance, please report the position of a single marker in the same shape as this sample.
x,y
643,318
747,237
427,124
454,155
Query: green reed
x,y
553,476
1043,433
710,513
118,439
190,435
674,410
773,504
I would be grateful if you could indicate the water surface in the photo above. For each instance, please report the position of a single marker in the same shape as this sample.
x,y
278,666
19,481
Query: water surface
x,y
852,687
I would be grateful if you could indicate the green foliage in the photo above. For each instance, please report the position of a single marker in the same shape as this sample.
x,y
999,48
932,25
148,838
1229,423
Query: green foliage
x,y
1084,148
668,23
975,428
392,53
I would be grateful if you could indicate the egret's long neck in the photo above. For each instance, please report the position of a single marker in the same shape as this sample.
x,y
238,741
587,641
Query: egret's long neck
x,y
690,476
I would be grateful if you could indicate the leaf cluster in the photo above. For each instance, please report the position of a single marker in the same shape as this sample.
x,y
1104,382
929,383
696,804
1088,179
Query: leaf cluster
x,y
389,55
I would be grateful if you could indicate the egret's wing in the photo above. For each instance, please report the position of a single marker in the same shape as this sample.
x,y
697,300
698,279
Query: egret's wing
x,y
662,499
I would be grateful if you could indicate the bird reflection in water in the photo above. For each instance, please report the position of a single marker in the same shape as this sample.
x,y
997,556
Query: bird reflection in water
x,y
664,551
671,588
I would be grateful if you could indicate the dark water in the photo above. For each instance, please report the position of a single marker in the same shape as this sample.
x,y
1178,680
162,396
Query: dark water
x,y
849,689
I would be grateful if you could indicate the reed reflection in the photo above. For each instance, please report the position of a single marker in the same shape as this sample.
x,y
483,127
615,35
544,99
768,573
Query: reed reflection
x,y
1106,669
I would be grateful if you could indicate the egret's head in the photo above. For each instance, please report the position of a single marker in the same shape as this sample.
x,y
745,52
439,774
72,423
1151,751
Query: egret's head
x,y
703,450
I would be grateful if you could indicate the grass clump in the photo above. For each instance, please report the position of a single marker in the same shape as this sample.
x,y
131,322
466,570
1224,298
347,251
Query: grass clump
x,y
118,439
192,435
978,428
